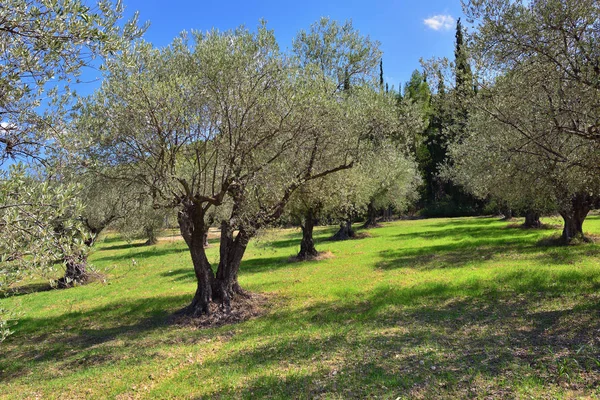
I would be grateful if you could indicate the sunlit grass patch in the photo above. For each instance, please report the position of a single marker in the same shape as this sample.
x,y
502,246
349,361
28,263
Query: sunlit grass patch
x,y
438,308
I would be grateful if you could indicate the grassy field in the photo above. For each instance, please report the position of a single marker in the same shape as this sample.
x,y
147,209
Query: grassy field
x,y
438,308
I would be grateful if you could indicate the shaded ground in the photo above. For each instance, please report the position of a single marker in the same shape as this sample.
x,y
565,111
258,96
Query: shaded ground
x,y
458,308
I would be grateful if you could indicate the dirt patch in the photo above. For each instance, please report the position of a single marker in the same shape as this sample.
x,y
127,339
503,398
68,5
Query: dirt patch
x,y
243,308
361,235
173,235
323,255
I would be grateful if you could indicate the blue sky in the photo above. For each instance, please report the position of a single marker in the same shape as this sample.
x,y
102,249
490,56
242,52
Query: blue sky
x,y
398,24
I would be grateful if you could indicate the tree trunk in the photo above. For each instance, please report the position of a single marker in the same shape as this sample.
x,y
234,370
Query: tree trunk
x,y
507,213
387,214
231,251
205,239
191,225
223,286
76,265
346,232
75,273
150,234
371,221
307,245
532,219
573,216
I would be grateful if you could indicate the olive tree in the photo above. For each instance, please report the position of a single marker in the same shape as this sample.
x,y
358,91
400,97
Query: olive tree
x,y
391,181
223,120
382,175
45,44
39,229
105,202
537,69
515,153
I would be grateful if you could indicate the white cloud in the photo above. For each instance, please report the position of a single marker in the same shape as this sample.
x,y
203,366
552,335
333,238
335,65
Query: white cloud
x,y
440,22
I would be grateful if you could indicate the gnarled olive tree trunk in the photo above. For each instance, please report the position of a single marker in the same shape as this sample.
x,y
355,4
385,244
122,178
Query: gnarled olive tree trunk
x,y
574,214
345,232
532,219
307,245
191,225
75,272
232,249
371,221
222,286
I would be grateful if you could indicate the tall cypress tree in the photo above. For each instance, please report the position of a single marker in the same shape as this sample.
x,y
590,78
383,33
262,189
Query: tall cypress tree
x,y
464,81
381,73
464,75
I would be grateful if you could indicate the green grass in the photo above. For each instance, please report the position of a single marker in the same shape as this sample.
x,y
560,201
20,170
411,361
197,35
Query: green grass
x,y
438,308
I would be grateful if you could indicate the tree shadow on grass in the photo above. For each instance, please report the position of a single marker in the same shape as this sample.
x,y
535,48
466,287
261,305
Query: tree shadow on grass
x,y
426,342
125,246
145,253
26,289
77,340
465,244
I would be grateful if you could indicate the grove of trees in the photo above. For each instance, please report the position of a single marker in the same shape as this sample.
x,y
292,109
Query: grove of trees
x,y
227,130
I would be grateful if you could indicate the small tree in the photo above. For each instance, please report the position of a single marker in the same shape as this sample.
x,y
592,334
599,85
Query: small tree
x,y
395,185
351,192
39,229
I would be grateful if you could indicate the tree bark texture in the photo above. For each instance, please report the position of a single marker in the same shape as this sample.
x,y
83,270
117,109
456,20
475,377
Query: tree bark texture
x,y
532,219
307,245
371,221
231,251
574,215
222,286
75,273
345,232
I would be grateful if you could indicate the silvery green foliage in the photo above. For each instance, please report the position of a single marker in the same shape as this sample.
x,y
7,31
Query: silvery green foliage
x,y
40,228
390,178
533,124
385,175
351,60
7,317
43,46
339,51
515,153
224,117
108,202
554,47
